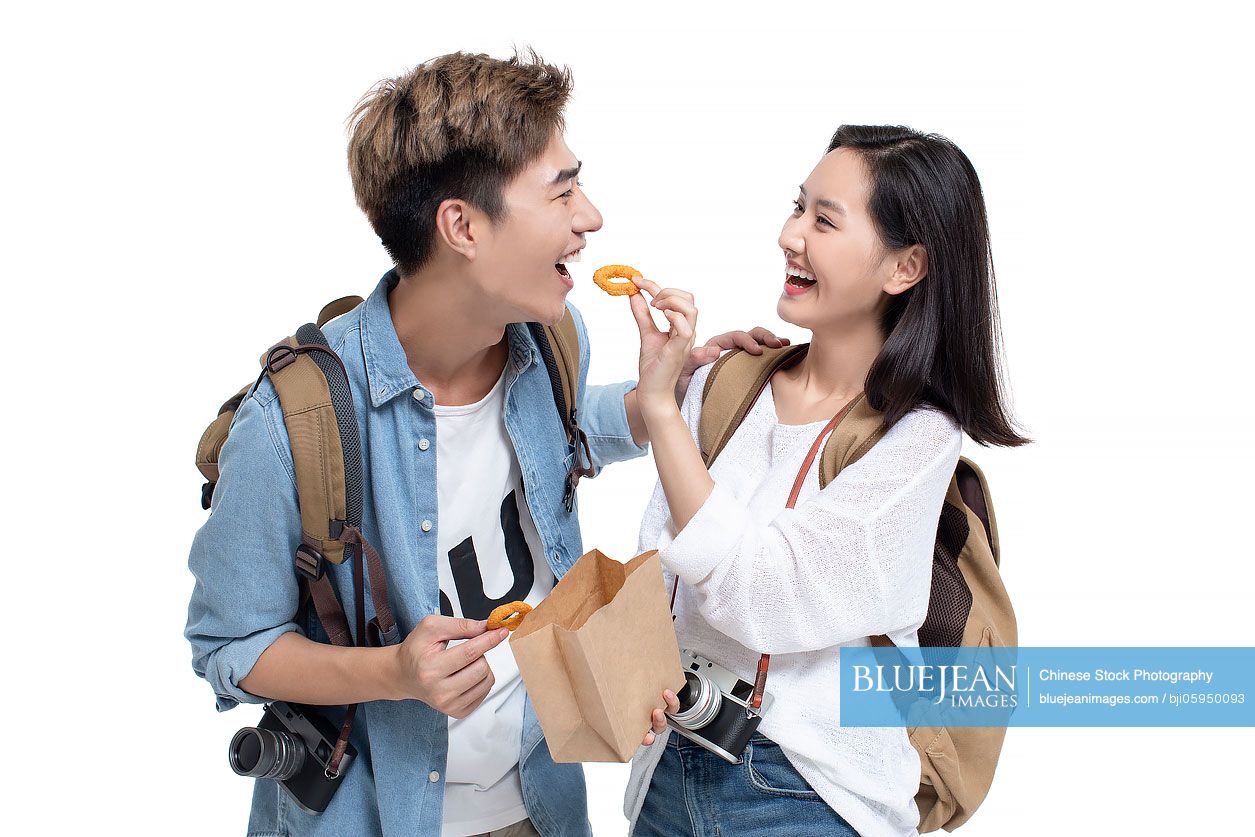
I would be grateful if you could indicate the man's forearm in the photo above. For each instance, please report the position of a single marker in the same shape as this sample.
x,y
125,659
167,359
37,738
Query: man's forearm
x,y
636,422
296,669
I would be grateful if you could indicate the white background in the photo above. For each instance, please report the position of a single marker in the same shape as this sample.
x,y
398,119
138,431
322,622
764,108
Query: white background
x,y
176,199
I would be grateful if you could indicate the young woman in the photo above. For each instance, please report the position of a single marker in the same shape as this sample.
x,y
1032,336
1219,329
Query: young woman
x,y
887,264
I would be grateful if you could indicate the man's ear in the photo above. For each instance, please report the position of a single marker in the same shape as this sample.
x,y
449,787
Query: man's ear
x,y
454,225
912,266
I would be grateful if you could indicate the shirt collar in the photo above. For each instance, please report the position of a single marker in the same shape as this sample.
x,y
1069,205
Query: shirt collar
x,y
388,372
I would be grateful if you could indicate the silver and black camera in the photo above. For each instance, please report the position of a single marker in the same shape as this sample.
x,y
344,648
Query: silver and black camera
x,y
292,744
714,708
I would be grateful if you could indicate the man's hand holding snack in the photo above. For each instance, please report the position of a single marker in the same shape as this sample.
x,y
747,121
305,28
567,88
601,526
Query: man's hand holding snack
x,y
451,680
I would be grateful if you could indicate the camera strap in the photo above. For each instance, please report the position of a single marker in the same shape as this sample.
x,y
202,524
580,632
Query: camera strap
x,y
764,661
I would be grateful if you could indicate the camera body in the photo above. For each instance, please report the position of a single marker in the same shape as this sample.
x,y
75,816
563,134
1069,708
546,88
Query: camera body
x,y
292,744
714,708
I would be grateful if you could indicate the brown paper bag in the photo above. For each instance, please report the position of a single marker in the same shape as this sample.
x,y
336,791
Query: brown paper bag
x,y
596,654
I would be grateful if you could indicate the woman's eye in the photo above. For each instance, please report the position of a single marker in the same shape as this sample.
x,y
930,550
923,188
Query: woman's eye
x,y
797,207
819,219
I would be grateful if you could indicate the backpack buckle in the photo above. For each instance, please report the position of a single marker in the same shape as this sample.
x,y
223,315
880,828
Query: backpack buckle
x,y
578,468
310,563
280,355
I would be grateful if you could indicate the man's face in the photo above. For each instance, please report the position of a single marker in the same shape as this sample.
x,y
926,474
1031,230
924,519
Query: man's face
x,y
547,215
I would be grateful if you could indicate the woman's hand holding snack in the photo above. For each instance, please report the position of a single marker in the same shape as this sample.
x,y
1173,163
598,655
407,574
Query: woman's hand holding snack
x,y
663,354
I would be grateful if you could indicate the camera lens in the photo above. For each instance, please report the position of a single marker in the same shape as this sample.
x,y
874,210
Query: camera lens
x,y
699,701
266,754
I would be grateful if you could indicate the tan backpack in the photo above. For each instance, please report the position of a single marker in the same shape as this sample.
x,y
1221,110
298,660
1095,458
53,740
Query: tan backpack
x,y
321,421
968,605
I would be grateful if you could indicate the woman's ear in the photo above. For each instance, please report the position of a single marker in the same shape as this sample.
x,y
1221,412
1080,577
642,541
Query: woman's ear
x,y
454,226
910,267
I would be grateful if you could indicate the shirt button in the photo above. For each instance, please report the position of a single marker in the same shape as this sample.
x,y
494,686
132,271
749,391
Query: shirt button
x,y
426,525
420,394
433,776
423,444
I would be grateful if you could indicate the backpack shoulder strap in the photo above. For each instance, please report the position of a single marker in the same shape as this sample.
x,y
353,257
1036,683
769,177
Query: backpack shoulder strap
x,y
318,450
336,307
738,379
732,386
559,347
564,342
321,423
854,436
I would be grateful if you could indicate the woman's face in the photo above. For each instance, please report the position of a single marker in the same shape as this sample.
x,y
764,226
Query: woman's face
x,y
847,275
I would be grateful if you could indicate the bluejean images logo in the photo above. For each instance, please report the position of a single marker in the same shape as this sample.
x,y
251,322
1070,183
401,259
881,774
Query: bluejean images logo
x,y
961,686
969,686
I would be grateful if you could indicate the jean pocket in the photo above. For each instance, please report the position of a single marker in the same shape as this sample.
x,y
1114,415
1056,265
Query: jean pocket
x,y
770,772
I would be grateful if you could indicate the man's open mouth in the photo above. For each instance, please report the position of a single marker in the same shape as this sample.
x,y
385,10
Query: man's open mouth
x,y
560,264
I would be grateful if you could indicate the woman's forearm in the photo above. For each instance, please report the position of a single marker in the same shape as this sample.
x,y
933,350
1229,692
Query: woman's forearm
x,y
684,477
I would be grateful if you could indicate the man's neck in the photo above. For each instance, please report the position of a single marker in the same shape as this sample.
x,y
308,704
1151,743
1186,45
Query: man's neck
x,y
449,345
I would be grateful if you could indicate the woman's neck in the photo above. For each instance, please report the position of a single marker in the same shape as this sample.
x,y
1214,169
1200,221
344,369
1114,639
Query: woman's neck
x,y
836,365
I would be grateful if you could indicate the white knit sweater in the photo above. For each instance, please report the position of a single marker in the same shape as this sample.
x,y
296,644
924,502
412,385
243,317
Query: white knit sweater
x,y
849,562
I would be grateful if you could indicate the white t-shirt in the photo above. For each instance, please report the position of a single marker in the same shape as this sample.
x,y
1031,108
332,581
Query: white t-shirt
x,y
487,546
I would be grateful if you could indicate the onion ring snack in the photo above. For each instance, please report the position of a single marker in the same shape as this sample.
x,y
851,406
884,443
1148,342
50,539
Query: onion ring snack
x,y
508,616
605,276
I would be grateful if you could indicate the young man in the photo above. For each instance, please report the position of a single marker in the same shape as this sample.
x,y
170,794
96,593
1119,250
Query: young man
x,y
462,169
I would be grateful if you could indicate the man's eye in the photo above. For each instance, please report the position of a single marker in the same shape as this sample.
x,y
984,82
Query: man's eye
x,y
570,192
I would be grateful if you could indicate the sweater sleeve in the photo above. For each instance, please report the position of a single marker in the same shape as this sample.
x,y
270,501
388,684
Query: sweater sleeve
x,y
852,560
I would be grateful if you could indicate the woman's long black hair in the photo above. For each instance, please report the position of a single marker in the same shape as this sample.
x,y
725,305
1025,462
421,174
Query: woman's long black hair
x,y
942,334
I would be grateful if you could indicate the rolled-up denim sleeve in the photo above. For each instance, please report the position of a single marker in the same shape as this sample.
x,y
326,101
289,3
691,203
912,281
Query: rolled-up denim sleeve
x,y
245,594
602,414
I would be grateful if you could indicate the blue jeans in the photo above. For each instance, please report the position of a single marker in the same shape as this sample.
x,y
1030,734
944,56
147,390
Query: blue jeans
x,y
694,792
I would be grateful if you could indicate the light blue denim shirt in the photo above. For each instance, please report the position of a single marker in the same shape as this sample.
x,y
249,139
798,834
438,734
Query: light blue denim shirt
x,y
246,590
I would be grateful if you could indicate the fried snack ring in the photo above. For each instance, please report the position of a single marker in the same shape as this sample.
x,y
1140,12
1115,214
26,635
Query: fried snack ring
x,y
508,616
605,275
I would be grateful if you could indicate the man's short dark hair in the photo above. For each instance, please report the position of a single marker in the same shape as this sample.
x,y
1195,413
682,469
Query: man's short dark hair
x,y
457,126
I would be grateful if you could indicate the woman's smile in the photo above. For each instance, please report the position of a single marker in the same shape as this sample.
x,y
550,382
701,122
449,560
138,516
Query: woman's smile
x,y
797,281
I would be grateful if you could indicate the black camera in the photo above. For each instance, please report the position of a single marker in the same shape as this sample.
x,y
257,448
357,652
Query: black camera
x,y
292,744
714,708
